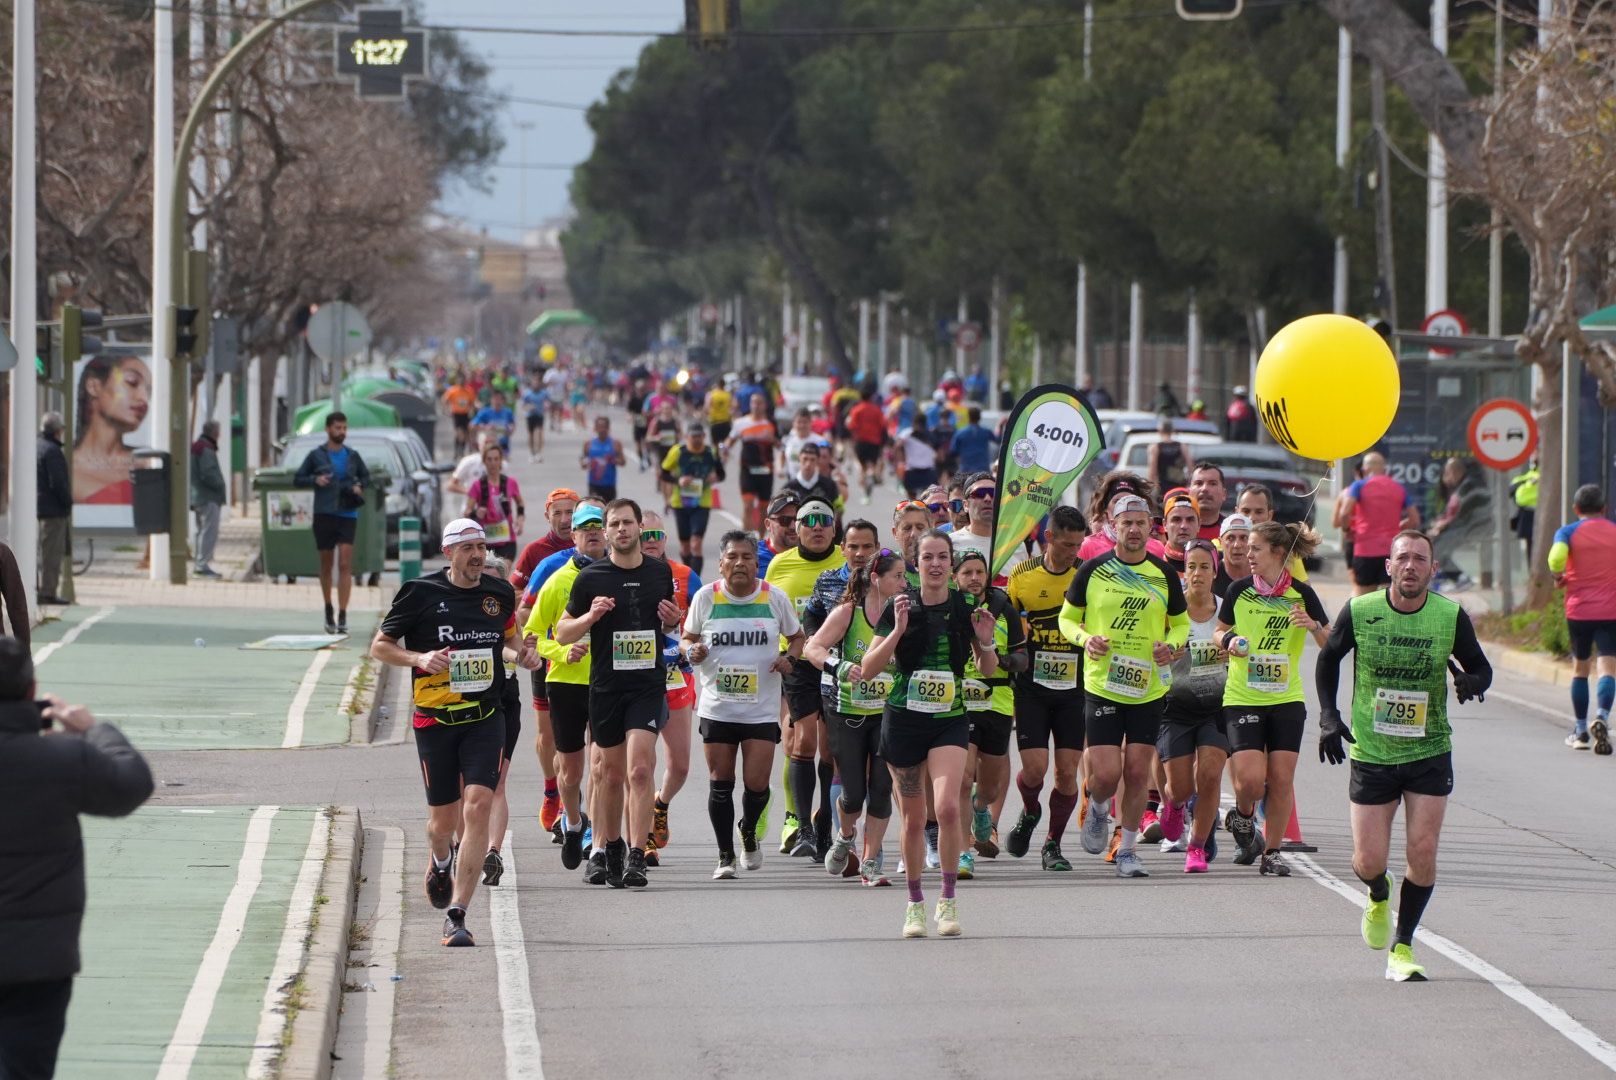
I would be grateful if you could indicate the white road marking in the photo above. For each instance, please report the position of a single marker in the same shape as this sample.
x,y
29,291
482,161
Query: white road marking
x,y
45,652
385,933
193,810
300,701
522,1060
289,957
193,1022
1558,714
1506,984
729,517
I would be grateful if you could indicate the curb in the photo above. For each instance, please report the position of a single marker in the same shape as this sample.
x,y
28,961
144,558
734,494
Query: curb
x,y
1528,665
314,1030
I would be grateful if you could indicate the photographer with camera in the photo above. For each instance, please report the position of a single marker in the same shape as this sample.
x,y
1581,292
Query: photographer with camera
x,y
339,478
56,763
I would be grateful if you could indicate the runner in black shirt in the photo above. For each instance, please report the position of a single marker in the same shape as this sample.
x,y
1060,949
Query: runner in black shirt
x,y
625,604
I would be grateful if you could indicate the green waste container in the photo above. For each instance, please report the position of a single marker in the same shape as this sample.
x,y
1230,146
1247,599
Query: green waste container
x,y
287,520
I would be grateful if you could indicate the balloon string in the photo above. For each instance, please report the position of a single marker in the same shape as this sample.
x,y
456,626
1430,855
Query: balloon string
x,y
1312,499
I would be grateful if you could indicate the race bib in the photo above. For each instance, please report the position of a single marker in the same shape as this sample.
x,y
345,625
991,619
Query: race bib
x,y
978,695
1268,673
870,692
1400,713
931,691
1128,675
675,679
471,671
690,490
634,650
1055,670
1204,659
736,683
498,532
760,470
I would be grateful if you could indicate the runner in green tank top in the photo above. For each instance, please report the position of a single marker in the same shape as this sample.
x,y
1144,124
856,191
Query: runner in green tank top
x,y
1402,637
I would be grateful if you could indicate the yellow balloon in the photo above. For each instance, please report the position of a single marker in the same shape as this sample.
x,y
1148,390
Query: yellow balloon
x,y
1327,387
547,353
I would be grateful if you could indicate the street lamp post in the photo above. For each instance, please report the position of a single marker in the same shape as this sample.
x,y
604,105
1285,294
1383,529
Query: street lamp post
x,y
24,384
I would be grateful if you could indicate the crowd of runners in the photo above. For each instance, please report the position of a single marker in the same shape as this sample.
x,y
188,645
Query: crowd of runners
x,y
1146,647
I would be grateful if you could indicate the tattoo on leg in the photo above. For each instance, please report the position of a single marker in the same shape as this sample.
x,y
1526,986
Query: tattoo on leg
x,y
909,781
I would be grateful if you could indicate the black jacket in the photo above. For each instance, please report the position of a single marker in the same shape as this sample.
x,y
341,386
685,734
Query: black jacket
x,y
318,461
55,486
46,782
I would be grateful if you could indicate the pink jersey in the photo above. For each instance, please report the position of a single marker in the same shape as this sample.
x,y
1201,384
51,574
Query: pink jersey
x,y
1378,514
1585,551
1100,544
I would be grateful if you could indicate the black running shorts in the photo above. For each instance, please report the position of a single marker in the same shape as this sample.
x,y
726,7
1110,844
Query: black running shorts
x,y
1265,727
801,688
1183,733
1376,785
907,737
513,716
333,529
760,485
569,716
1590,635
1043,713
1370,570
867,453
990,732
730,733
452,752
1109,723
612,715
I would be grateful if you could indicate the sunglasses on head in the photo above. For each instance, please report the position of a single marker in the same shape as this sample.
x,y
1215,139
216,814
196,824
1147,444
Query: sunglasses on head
x,y
651,536
815,521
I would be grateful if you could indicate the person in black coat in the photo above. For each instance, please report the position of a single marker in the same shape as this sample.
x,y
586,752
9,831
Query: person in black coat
x,y
54,506
49,775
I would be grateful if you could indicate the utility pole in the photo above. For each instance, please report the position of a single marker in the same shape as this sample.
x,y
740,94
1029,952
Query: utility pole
x,y
1343,140
1383,195
1436,213
24,384
170,389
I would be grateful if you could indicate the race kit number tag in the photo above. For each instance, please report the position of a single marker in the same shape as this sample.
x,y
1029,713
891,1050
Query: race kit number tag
x,y
471,671
1204,659
1268,673
978,695
1400,713
498,533
870,692
1128,675
737,683
931,691
1055,670
634,650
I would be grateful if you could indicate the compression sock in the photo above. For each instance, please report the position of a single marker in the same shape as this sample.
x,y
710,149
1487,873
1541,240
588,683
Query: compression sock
x,y
1153,803
752,806
721,809
1410,906
552,788
1379,888
1061,806
915,896
1129,838
949,878
785,782
695,562
822,818
1029,792
802,777
1605,695
1579,701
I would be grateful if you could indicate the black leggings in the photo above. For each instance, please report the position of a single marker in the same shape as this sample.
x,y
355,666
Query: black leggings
x,y
856,747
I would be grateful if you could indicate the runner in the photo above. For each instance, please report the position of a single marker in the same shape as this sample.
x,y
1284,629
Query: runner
x,y
779,529
808,481
690,472
927,633
681,688
915,458
1583,561
567,678
755,433
602,455
1235,539
1048,695
1192,743
641,419
534,401
720,406
732,634
1373,509
1126,609
853,709
461,401
1102,533
495,502
1256,503
1181,523
910,519
868,428
453,629
1206,484
981,495
495,419
799,435
1401,740
1263,622
622,603
499,814
989,701
663,434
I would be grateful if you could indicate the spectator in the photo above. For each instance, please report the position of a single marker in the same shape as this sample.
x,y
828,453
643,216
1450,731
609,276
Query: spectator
x,y
209,493
55,507
1166,402
1465,512
339,478
973,444
1098,396
1373,511
14,595
47,779
1240,420
1583,562
1169,461
1197,410
1523,489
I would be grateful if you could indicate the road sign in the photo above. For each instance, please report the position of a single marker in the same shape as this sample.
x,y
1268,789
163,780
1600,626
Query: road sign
x,y
338,332
381,55
968,335
1503,434
1444,323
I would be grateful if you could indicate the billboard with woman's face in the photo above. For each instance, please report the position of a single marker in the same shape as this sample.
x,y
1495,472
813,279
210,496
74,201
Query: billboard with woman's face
x,y
114,400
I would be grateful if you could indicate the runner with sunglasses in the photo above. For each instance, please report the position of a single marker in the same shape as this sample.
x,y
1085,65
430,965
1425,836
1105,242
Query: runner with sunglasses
x,y
936,500
981,497
1192,743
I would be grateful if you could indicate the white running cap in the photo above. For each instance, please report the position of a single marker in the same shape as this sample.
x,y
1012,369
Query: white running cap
x,y
460,530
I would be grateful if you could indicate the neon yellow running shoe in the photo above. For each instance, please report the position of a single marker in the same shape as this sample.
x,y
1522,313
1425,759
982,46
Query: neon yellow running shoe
x,y
914,921
1400,965
947,919
1377,919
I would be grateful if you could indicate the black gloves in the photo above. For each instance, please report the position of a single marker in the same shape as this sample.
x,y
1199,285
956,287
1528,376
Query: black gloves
x,y
1332,729
1465,686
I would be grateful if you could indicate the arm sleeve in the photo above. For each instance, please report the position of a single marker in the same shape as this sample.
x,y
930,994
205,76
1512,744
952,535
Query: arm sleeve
x,y
116,778
1178,611
1327,675
1467,650
1071,624
1313,605
1015,638
1560,552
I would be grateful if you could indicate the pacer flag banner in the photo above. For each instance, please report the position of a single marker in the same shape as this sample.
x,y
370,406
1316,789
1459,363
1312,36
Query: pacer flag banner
x,y
1051,437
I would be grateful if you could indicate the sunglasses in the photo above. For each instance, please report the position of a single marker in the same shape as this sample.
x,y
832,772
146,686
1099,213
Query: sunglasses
x,y
651,536
785,521
983,494
910,504
957,505
937,508
589,526
815,521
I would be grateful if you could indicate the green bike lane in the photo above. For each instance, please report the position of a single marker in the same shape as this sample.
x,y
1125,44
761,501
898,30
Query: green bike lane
x,y
196,923
143,669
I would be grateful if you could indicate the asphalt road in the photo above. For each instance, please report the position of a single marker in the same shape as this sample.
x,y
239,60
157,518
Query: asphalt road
x,y
790,972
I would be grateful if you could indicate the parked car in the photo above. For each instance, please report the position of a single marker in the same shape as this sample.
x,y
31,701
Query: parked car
x,y
1134,453
415,488
1115,426
1293,480
799,392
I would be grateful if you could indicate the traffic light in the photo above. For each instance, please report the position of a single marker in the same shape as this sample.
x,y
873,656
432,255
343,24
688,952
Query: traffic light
x,y
75,342
711,24
198,301
1209,10
185,331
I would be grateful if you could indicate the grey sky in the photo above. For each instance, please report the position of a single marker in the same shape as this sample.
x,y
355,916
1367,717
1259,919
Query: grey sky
x,y
569,69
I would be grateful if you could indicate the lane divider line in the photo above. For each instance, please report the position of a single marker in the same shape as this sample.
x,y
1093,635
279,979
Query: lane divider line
x,y
45,652
1505,983
385,934
194,1017
300,701
522,1057
293,946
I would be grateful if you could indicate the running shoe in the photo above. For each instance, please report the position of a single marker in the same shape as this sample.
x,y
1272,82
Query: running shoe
x,y
1195,861
493,867
572,849
870,873
616,858
967,865
659,825
550,812
633,876
1212,843
1116,844
342,628
984,834
1150,829
555,833
751,851
651,856
1052,859
1377,920
851,870
803,848
1601,733
1244,831
726,868
1129,864
1273,865
439,883
1169,847
1172,821
456,936
840,852
596,869
914,920
788,834
1578,740
330,625
1400,965
1096,823
1020,838
947,918
934,861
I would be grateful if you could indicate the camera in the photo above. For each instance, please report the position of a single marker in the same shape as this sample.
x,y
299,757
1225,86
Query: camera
x,y
44,721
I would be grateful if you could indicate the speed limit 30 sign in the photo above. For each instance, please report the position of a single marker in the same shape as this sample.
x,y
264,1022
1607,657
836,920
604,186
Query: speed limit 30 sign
x,y
1503,434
